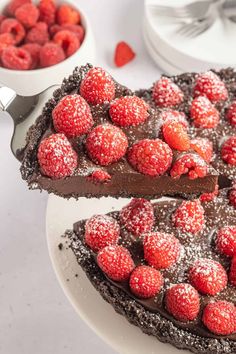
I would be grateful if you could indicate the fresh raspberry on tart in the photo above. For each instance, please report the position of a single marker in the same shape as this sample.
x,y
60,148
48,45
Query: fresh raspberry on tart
x,y
204,114
228,151
166,93
175,135
99,176
232,272
226,240
191,164
210,85
189,216
203,147
231,113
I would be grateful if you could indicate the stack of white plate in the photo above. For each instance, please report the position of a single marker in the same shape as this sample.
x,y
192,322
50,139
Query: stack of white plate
x,y
174,53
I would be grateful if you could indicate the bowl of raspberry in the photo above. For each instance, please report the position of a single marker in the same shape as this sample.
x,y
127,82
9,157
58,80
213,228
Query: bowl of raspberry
x,y
41,41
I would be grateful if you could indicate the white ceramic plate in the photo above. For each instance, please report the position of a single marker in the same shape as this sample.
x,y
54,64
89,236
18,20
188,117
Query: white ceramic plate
x,y
99,315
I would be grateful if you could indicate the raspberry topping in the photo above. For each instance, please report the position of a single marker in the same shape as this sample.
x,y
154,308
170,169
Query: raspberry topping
x,y
27,14
68,41
116,262
16,58
226,240
106,144
150,157
56,157
189,216
231,113
72,116
97,87
166,93
208,197
203,147
99,176
232,272
38,34
210,85
176,135
190,164
123,54
183,302
161,250
145,282
66,14
172,115
14,27
47,11
101,231
208,276
203,113
14,4
232,197
228,151
138,216
128,110
51,54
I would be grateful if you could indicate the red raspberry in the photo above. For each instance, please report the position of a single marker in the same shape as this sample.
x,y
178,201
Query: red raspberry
x,y
228,151
208,276
2,18
51,54
116,262
47,11
14,4
190,164
67,14
189,216
106,144
16,58
150,157
6,39
15,28
56,157
72,116
210,85
175,135
166,93
145,282
97,87
203,113
77,29
226,240
123,54
138,216
232,272
172,115
183,302
34,50
38,34
68,41
101,231
203,147
161,250
232,197
28,15
231,113
220,317
208,197
99,176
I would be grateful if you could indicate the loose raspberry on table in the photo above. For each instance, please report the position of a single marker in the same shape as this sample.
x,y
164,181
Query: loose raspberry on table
x,y
151,157
168,115
97,87
128,111
175,135
99,176
16,58
203,113
231,113
56,157
68,41
226,240
116,262
14,27
101,231
123,54
51,54
203,147
183,302
191,164
232,272
208,197
106,144
166,93
228,151
208,276
6,39
34,50
137,216
66,14
189,216
27,14
38,34
161,250
145,282
72,116
232,197
14,4
210,85
220,317
47,11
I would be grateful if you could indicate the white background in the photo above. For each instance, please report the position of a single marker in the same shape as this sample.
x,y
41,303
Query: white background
x,y
35,316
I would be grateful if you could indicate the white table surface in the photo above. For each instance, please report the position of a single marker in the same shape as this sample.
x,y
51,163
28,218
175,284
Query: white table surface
x,y
35,316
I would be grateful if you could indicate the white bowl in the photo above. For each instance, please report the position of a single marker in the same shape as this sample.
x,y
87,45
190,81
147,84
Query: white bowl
x,y
30,82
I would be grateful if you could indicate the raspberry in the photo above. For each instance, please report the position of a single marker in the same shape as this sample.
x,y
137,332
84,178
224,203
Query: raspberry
x,y
38,34
175,135
189,216
28,15
203,113
101,231
56,157
183,302
232,197
123,54
138,216
228,151
232,272
34,50
226,240
47,11
203,147
14,4
106,144
16,58
97,87
231,113
208,276
15,28
190,164
66,14
209,84
6,39
72,116
220,317
166,93
150,157
51,54
161,250
128,110
172,115
145,282
68,41
77,29
99,176
116,262
208,197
